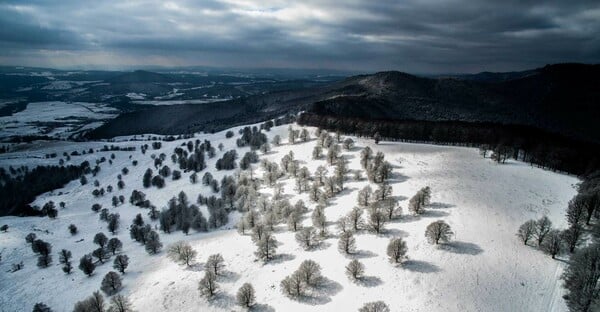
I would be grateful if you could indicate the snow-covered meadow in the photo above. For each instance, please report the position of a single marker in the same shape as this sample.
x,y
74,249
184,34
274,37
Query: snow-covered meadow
x,y
484,268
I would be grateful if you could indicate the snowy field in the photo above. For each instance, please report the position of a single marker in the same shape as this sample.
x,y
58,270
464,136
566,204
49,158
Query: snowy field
x,y
55,119
484,268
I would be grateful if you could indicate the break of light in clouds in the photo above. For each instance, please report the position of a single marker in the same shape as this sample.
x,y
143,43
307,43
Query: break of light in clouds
x,y
415,36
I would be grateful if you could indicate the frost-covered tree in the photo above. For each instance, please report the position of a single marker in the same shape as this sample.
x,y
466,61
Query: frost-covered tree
x,y
355,218
276,140
293,285
266,247
294,221
364,196
310,271
438,231
319,220
526,231
121,263
377,219
181,252
396,250
215,264
347,243
355,269
93,303
86,265
111,283
307,237
208,285
245,296
375,306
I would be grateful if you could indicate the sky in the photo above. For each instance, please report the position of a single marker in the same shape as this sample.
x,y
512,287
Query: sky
x,y
424,36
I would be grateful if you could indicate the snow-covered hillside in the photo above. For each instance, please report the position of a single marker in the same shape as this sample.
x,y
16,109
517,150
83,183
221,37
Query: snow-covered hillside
x,y
484,268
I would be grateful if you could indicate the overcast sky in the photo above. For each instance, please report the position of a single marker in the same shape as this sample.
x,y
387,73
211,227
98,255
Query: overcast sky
x,y
426,36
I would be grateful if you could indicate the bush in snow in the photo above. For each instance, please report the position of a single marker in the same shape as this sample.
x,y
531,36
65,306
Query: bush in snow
x,y
41,307
4,228
72,229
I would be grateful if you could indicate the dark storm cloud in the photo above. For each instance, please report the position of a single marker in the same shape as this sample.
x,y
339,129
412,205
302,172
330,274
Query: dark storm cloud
x,y
417,36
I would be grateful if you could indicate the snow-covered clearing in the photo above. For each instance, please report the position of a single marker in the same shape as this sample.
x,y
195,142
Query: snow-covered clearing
x,y
485,267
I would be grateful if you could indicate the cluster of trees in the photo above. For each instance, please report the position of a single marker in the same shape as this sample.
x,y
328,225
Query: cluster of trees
x,y
144,234
181,215
16,192
227,161
307,276
378,170
528,144
252,137
41,248
419,201
193,158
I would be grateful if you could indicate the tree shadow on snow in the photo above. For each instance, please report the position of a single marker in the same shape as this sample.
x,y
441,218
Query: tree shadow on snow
x,y
228,277
222,300
394,233
280,258
434,214
322,294
259,307
196,267
462,248
397,177
420,266
438,205
362,254
369,281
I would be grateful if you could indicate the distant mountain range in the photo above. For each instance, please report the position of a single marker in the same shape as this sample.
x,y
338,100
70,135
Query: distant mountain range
x,y
561,98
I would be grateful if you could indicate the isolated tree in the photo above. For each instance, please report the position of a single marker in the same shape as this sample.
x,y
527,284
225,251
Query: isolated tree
x,y
72,229
4,228
113,223
41,307
347,243
93,303
375,306
119,303
267,246
86,265
527,230
582,279
438,231
364,196
310,271
396,250
100,239
111,283
208,285
245,296
215,264
552,243
121,262
182,252
153,244
542,227
355,269
114,245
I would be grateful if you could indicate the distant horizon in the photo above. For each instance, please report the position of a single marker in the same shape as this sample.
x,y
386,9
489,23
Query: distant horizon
x,y
267,70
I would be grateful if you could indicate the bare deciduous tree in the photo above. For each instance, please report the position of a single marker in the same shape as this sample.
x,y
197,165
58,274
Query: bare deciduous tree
x,y
438,231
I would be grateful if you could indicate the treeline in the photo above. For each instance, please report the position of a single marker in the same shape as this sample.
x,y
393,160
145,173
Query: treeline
x,y
17,192
531,145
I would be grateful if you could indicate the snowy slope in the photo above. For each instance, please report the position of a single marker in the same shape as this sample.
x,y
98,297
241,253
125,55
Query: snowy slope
x,y
485,268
